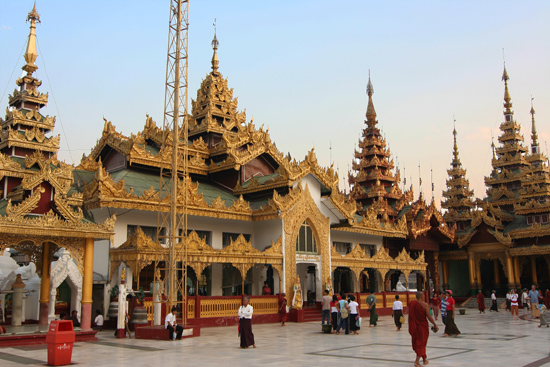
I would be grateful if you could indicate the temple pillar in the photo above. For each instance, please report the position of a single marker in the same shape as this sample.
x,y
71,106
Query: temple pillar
x,y
534,271
496,273
444,267
478,275
17,301
87,285
517,272
510,268
472,272
45,285
435,276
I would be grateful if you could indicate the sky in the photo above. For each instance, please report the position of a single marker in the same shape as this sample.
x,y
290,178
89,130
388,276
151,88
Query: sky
x,y
301,69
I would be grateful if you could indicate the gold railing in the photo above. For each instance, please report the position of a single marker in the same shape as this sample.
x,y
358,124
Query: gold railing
x,y
379,300
264,306
149,305
220,307
191,308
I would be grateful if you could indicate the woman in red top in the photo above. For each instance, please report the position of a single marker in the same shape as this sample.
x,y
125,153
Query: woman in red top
x,y
434,304
450,326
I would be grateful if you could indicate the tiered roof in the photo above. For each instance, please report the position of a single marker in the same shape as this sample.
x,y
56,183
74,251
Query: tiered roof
x,y
458,196
236,171
38,202
374,184
509,160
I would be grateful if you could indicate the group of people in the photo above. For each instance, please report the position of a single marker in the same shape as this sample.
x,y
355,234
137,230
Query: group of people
x,y
444,304
531,300
342,312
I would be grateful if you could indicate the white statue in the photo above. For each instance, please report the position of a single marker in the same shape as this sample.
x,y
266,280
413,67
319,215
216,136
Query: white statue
x,y
400,288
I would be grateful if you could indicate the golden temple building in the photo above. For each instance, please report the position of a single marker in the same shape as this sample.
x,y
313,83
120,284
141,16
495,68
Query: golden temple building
x,y
256,218
504,242
41,208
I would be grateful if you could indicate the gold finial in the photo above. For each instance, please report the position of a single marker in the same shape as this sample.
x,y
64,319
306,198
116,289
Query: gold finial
x,y
534,135
507,99
31,54
215,43
455,147
371,113
493,147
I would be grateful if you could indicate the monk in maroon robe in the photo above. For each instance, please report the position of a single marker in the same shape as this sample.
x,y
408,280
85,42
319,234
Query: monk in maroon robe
x,y
282,309
419,314
481,302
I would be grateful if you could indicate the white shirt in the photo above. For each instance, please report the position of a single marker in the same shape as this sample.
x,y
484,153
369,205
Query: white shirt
x,y
494,296
507,295
246,312
99,320
524,297
514,299
353,307
398,305
169,320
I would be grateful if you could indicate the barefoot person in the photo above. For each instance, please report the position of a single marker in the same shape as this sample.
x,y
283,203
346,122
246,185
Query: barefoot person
x,y
419,314
282,308
480,302
450,326
245,321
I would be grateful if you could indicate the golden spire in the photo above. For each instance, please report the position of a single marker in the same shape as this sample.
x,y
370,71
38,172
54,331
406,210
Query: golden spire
x,y
30,53
507,99
534,135
455,147
371,113
215,43
493,148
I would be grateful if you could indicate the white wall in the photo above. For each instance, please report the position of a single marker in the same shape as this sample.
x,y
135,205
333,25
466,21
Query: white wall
x,y
355,238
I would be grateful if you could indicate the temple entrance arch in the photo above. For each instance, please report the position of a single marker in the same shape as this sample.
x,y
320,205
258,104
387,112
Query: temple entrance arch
x,y
344,280
65,269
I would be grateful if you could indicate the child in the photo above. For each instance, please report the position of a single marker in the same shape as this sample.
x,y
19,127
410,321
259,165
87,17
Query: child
x,y
542,310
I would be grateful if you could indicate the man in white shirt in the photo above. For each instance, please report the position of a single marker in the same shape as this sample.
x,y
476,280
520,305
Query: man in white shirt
x,y
170,324
245,324
397,312
525,302
98,320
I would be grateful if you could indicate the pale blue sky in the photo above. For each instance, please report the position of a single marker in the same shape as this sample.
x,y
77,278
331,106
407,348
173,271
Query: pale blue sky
x,y
301,68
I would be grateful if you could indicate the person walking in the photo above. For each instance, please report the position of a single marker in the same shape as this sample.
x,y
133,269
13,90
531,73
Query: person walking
x,y
514,305
435,302
353,315
98,321
450,326
397,312
508,302
542,311
481,302
494,306
443,307
245,321
282,308
534,296
325,311
371,303
334,312
343,309
419,314
525,302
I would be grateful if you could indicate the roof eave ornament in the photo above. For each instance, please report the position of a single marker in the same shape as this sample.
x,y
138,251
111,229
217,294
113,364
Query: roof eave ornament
x,y
31,54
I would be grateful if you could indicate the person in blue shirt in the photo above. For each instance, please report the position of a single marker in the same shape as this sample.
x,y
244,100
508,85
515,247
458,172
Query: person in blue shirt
x,y
534,296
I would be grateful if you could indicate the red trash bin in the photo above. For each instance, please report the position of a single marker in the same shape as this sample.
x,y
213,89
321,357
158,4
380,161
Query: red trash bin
x,y
60,339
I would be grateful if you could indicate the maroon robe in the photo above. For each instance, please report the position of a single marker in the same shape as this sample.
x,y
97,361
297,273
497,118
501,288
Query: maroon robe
x,y
481,302
418,328
282,309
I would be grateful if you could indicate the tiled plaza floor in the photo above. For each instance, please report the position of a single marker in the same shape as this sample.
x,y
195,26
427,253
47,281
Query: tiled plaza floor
x,y
491,339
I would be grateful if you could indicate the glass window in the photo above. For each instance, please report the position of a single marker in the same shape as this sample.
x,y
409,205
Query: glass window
x,y
343,248
305,243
